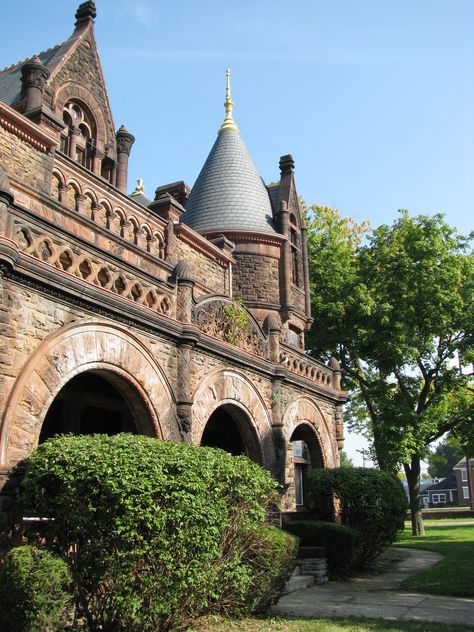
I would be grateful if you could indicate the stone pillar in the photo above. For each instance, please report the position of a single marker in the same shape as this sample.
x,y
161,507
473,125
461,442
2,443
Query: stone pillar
x,y
339,426
279,441
125,141
33,78
184,402
62,193
272,328
97,158
285,260
336,373
74,133
304,248
184,306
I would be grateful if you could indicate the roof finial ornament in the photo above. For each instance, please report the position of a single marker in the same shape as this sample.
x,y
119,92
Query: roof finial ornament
x,y
229,123
139,189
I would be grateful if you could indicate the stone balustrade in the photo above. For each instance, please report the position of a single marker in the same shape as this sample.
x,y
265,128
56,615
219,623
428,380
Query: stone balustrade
x,y
305,366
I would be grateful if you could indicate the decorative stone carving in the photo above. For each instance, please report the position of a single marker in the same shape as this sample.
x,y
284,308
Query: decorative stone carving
x,y
213,320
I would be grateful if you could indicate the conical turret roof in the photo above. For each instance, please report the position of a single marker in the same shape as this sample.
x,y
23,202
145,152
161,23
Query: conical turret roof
x,y
229,193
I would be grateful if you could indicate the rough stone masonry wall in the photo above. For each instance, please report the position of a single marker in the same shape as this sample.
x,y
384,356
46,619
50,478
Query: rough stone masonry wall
x,y
82,63
256,278
203,269
19,160
27,318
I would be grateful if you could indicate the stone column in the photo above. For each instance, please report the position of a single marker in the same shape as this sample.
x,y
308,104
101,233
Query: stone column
x,y
74,133
279,441
97,158
33,78
190,335
304,247
285,261
339,426
125,141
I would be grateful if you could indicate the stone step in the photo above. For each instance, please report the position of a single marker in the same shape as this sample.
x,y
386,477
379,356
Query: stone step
x,y
296,582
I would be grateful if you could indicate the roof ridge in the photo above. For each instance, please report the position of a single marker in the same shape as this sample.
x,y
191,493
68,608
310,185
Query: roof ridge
x,y
23,61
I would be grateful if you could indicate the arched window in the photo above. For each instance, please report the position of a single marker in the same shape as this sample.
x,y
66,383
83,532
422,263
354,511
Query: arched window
x,y
79,136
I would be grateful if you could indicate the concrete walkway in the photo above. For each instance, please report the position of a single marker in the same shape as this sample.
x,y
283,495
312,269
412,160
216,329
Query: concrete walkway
x,y
375,595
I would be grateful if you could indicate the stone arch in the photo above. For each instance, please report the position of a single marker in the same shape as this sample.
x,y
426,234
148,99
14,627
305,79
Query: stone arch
x,y
304,411
227,388
74,349
74,90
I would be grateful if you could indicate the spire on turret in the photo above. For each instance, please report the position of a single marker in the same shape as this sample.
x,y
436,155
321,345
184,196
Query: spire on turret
x,y
229,123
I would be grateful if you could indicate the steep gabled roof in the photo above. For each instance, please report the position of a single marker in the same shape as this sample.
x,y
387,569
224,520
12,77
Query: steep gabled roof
x,y
10,77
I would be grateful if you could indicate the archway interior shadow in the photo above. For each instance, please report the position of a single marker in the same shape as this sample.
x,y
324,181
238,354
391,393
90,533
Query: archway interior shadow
x,y
96,402
230,429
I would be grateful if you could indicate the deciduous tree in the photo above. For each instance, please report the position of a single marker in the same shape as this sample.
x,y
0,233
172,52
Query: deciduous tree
x,y
395,305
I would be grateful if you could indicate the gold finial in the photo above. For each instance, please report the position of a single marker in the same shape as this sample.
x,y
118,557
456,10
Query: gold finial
x,y
139,189
229,123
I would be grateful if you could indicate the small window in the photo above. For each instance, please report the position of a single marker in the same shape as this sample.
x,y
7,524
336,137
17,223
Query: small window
x,y
465,493
78,139
464,475
439,498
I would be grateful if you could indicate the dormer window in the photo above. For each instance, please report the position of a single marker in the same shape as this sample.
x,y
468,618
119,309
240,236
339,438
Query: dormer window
x,y
78,138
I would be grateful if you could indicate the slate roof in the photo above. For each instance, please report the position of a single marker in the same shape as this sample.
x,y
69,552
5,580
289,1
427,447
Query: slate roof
x,y
141,199
229,193
10,77
446,484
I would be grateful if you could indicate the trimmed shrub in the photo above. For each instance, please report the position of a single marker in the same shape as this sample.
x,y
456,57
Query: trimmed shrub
x,y
161,532
341,542
35,591
273,559
370,501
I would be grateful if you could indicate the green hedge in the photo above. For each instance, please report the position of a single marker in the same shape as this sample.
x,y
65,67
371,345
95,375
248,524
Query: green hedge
x,y
341,542
35,591
370,501
162,532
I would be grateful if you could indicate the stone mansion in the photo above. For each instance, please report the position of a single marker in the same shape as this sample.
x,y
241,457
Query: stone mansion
x,y
182,318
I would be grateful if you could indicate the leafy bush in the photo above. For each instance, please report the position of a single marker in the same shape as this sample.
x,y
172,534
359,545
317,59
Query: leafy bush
x,y
35,591
273,558
161,532
341,542
372,502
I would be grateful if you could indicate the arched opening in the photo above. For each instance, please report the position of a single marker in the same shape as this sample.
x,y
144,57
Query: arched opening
x,y
78,138
96,402
307,454
229,428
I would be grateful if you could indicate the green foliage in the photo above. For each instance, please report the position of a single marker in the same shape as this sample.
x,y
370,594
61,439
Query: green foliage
x,y
237,320
395,306
35,591
273,556
344,459
161,532
371,502
340,541
442,460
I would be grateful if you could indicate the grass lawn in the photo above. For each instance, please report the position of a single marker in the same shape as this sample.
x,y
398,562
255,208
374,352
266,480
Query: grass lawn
x,y
323,625
454,575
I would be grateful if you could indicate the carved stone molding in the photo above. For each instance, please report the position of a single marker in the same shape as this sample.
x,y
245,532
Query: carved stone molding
x,y
212,319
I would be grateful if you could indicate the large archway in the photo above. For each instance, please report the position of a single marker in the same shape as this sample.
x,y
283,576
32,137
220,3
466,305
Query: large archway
x,y
306,453
230,429
103,349
96,402
238,403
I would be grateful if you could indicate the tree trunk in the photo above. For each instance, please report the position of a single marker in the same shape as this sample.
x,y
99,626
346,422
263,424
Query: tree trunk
x,y
412,472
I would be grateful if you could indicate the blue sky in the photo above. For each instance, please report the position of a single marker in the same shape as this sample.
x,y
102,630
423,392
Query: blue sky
x,y
374,99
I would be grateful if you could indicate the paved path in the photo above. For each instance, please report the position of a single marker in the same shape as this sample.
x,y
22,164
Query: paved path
x,y
376,596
